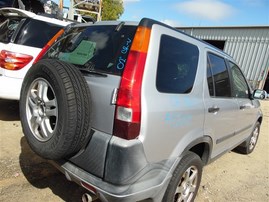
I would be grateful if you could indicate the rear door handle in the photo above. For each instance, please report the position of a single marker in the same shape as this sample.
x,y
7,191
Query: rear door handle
x,y
243,107
213,109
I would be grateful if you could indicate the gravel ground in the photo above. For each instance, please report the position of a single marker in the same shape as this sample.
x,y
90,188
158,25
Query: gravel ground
x,y
26,177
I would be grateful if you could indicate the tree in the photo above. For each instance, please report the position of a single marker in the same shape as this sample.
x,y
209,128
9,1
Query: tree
x,y
112,9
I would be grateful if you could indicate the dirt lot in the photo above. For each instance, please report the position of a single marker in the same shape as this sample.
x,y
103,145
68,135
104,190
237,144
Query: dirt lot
x,y
26,177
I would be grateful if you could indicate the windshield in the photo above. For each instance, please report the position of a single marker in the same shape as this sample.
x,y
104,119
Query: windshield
x,y
102,48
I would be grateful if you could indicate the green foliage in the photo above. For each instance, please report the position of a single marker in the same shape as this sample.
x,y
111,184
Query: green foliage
x,y
112,9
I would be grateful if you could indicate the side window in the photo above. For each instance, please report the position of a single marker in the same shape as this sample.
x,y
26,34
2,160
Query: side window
x,y
240,86
210,80
177,65
220,76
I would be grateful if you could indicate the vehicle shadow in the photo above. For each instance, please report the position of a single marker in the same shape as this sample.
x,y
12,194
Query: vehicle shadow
x,y
41,174
9,110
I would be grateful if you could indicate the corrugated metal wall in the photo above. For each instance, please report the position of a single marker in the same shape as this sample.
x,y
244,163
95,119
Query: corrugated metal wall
x,y
249,46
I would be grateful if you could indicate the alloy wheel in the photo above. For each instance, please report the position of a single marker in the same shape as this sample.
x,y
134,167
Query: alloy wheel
x,y
41,109
187,186
254,138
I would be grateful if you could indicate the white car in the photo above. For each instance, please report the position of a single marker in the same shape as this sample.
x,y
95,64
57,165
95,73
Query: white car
x,y
23,34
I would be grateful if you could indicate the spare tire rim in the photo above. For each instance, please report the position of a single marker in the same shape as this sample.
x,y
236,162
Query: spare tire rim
x,y
41,109
187,186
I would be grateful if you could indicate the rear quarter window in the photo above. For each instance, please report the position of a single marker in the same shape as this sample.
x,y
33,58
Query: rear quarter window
x,y
8,26
177,65
36,33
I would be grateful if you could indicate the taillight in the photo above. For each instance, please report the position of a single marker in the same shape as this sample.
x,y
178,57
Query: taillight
x,y
48,45
128,105
14,61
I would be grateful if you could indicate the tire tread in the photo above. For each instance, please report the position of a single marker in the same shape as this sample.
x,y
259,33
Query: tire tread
x,y
74,123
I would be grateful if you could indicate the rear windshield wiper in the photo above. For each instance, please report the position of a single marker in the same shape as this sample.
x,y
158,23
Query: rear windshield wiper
x,y
119,26
92,72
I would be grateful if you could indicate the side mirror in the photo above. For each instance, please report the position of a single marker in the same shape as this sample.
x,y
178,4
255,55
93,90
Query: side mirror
x,y
260,94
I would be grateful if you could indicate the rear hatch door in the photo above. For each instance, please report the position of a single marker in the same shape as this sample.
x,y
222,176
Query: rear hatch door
x,y
100,51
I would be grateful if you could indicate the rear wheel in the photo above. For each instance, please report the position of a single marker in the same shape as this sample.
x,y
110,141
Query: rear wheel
x,y
55,109
186,180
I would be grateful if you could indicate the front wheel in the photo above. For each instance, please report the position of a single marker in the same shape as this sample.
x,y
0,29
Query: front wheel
x,y
186,180
249,145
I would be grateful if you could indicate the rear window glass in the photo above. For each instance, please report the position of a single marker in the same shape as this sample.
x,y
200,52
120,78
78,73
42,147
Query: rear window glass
x,y
96,48
36,33
177,65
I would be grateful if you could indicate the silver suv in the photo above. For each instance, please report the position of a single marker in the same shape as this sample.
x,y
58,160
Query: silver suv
x,y
133,111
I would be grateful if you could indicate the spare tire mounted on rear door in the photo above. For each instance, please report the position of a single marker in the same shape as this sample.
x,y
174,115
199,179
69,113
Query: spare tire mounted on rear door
x,y
55,109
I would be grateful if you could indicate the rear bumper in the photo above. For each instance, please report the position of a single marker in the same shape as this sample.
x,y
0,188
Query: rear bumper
x,y
151,186
10,88
117,170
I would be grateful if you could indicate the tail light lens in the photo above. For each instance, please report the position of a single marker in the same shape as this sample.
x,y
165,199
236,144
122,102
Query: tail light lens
x,y
48,45
128,105
14,61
